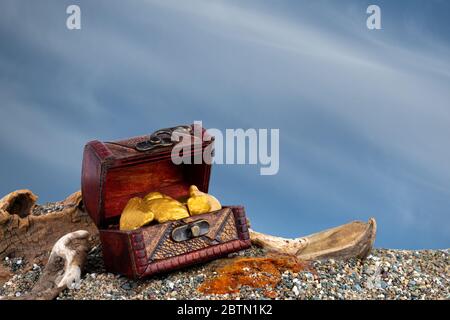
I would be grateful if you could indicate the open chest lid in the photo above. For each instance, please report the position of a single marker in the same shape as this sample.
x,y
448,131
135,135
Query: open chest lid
x,y
168,161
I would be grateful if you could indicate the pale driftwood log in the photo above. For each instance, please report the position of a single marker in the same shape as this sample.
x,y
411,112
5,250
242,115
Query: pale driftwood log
x,y
352,240
63,269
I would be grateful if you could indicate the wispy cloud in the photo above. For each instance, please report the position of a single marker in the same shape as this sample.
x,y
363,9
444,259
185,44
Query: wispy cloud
x,y
364,115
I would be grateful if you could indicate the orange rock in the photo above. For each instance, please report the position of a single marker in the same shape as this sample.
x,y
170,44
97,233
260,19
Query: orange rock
x,y
257,272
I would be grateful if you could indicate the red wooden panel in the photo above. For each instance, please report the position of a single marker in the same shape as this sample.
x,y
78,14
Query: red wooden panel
x,y
123,183
90,182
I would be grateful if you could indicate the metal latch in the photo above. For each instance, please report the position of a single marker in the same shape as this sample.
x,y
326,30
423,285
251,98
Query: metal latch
x,y
190,231
162,138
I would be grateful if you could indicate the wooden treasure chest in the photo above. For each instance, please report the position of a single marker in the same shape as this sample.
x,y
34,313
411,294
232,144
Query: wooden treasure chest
x,y
115,172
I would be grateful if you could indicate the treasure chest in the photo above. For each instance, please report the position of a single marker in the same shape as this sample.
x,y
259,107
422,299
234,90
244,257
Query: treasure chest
x,y
114,172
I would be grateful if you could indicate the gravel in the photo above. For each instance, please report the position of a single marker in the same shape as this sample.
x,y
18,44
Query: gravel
x,y
385,274
49,207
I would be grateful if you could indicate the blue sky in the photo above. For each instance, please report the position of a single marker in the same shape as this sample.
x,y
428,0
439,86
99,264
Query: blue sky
x,y
364,116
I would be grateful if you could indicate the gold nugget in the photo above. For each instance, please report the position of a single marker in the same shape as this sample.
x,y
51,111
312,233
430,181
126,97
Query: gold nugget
x,y
165,208
200,202
162,208
135,215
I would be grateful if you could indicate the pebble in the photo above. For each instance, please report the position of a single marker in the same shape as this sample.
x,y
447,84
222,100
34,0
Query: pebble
x,y
386,274
47,208
170,284
357,288
126,286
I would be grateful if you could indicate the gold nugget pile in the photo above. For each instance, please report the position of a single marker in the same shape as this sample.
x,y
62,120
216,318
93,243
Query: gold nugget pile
x,y
161,208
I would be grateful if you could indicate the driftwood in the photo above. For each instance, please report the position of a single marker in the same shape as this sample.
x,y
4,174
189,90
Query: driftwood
x,y
352,240
33,237
63,269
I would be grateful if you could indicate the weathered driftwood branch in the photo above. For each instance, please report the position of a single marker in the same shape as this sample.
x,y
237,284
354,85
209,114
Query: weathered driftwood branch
x,y
63,269
73,252
32,237
277,244
352,240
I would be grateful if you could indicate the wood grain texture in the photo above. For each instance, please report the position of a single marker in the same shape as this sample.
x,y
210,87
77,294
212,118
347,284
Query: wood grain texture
x,y
351,240
32,237
63,269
